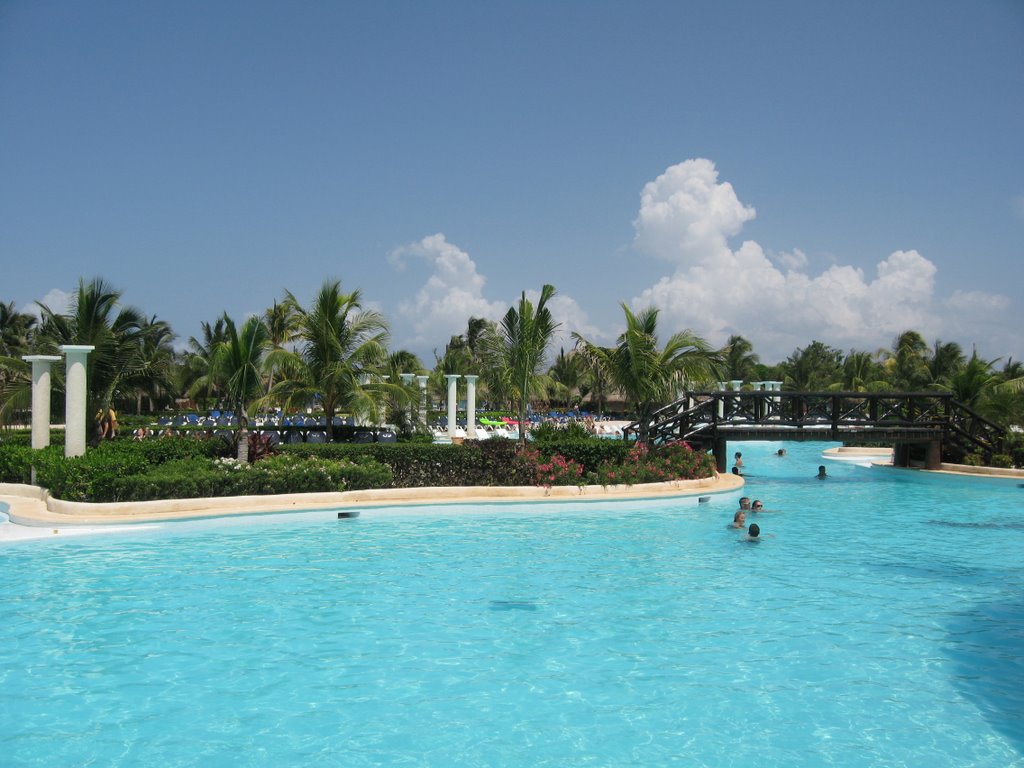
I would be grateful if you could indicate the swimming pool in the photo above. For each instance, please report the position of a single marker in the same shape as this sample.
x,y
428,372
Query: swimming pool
x,y
882,625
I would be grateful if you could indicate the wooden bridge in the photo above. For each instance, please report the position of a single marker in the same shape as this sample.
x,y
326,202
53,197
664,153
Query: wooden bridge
x,y
927,427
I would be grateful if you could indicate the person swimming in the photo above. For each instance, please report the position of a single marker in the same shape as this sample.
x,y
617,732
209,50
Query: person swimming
x,y
821,472
739,520
753,532
744,502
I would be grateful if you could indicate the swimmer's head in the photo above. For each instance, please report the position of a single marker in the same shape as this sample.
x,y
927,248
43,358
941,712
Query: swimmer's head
x,y
739,517
744,502
757,505
754,531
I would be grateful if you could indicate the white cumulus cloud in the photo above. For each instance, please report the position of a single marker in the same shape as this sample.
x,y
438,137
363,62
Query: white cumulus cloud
x,y
688,218
56,300
451,295
454,291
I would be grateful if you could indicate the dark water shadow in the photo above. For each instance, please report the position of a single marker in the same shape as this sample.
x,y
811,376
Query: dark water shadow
x,y
512,605
1019,526
986,645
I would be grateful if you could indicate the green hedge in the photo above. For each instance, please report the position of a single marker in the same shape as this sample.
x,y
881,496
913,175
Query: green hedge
x,y
203,478
124,470
417,465
16,461
486,462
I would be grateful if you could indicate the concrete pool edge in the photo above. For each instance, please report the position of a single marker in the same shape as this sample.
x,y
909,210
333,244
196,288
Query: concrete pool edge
x,y
33,506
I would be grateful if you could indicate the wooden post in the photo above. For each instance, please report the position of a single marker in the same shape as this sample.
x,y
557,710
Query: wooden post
x,y
901,455
720,449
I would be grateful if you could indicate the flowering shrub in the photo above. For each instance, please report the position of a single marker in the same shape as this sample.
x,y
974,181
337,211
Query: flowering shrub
x,y
675,461
553,470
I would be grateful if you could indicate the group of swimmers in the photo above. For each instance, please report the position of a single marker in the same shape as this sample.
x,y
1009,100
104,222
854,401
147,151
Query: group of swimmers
x,y
737,466
739,520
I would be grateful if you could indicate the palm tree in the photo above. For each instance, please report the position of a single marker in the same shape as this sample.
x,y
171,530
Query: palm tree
x,y
202,383
908,362
282,321
813,368
650,377
340,357
155,377
517,353
401,398
740,360
860,373
566,376
119,335
16,330
238,366
946,359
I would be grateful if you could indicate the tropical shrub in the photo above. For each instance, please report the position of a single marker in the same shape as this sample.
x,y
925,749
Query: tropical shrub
x,y
974,460
675,461
16,462
552,470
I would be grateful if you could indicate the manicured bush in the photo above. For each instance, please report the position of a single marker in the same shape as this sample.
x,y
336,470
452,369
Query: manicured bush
x,y
188,478
415,465
200,477
16,461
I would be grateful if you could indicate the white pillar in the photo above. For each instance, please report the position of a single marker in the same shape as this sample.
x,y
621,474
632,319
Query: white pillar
x,y
452,403
422,381
471,407
41,398
75,398
721,400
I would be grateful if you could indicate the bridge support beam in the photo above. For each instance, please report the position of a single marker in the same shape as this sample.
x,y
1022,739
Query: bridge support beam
x,y
901,455
933,454
720,449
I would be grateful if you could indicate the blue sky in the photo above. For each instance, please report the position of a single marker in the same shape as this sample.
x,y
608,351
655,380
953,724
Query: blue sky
x,y
788,171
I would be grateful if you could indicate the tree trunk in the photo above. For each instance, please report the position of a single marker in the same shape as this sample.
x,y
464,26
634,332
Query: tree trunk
x,y
243,436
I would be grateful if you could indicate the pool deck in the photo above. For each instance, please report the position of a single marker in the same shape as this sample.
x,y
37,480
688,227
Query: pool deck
x,y
31,509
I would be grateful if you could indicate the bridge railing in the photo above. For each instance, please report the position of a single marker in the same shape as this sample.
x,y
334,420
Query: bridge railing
x,y
704,413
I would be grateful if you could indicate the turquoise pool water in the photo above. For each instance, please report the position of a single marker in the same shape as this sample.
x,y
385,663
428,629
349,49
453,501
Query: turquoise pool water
x,y
882,625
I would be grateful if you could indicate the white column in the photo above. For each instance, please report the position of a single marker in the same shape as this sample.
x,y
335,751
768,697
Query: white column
x,y
41,398
721,400
452,403
75,398
471,407
422,381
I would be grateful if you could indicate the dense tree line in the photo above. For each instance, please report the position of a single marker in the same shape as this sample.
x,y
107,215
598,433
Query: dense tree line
x,y
334,356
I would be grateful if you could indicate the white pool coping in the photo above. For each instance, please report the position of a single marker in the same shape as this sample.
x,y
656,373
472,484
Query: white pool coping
x,y
34,514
